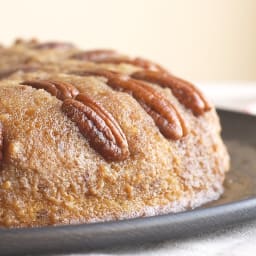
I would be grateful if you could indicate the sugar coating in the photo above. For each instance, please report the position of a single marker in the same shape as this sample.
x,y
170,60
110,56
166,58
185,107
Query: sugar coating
x,y
50,175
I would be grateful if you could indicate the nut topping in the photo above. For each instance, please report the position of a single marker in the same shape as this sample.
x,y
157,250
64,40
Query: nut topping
x,y
95,55
165,115
98,126
139,62
65,90
110,56
59,89
95,123
185,92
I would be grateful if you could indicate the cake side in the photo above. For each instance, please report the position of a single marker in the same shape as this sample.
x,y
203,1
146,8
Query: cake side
x,y
53,171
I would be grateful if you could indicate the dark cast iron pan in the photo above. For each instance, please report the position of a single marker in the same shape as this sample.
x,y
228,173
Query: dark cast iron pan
x,y
238,204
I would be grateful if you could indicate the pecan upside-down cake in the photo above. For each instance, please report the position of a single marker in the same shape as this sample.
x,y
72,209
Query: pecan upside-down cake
x,y
89,136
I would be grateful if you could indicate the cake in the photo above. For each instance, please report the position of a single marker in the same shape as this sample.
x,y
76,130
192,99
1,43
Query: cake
x,y
92,136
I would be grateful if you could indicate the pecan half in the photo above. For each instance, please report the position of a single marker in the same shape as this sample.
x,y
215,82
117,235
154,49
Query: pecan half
x,y
185,92
94,55
147,64
59,89
98,126
165,115
1,141
110,56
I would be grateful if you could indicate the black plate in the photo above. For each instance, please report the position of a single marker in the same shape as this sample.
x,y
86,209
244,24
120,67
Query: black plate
x,y
238,204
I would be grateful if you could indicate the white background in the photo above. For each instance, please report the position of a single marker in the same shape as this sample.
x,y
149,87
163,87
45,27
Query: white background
x,y
201,40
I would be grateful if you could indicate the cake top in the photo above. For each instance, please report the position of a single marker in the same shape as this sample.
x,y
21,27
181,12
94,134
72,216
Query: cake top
x,y
37,64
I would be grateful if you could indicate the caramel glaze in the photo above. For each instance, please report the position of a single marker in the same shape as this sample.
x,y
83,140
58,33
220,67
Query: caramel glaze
x,y
165,115
112,57
185,92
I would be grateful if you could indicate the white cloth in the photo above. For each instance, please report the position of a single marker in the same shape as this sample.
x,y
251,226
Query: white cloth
x,y
233,95
238,240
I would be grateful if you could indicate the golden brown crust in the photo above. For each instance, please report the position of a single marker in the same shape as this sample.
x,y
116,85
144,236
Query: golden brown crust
x,y
51,175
